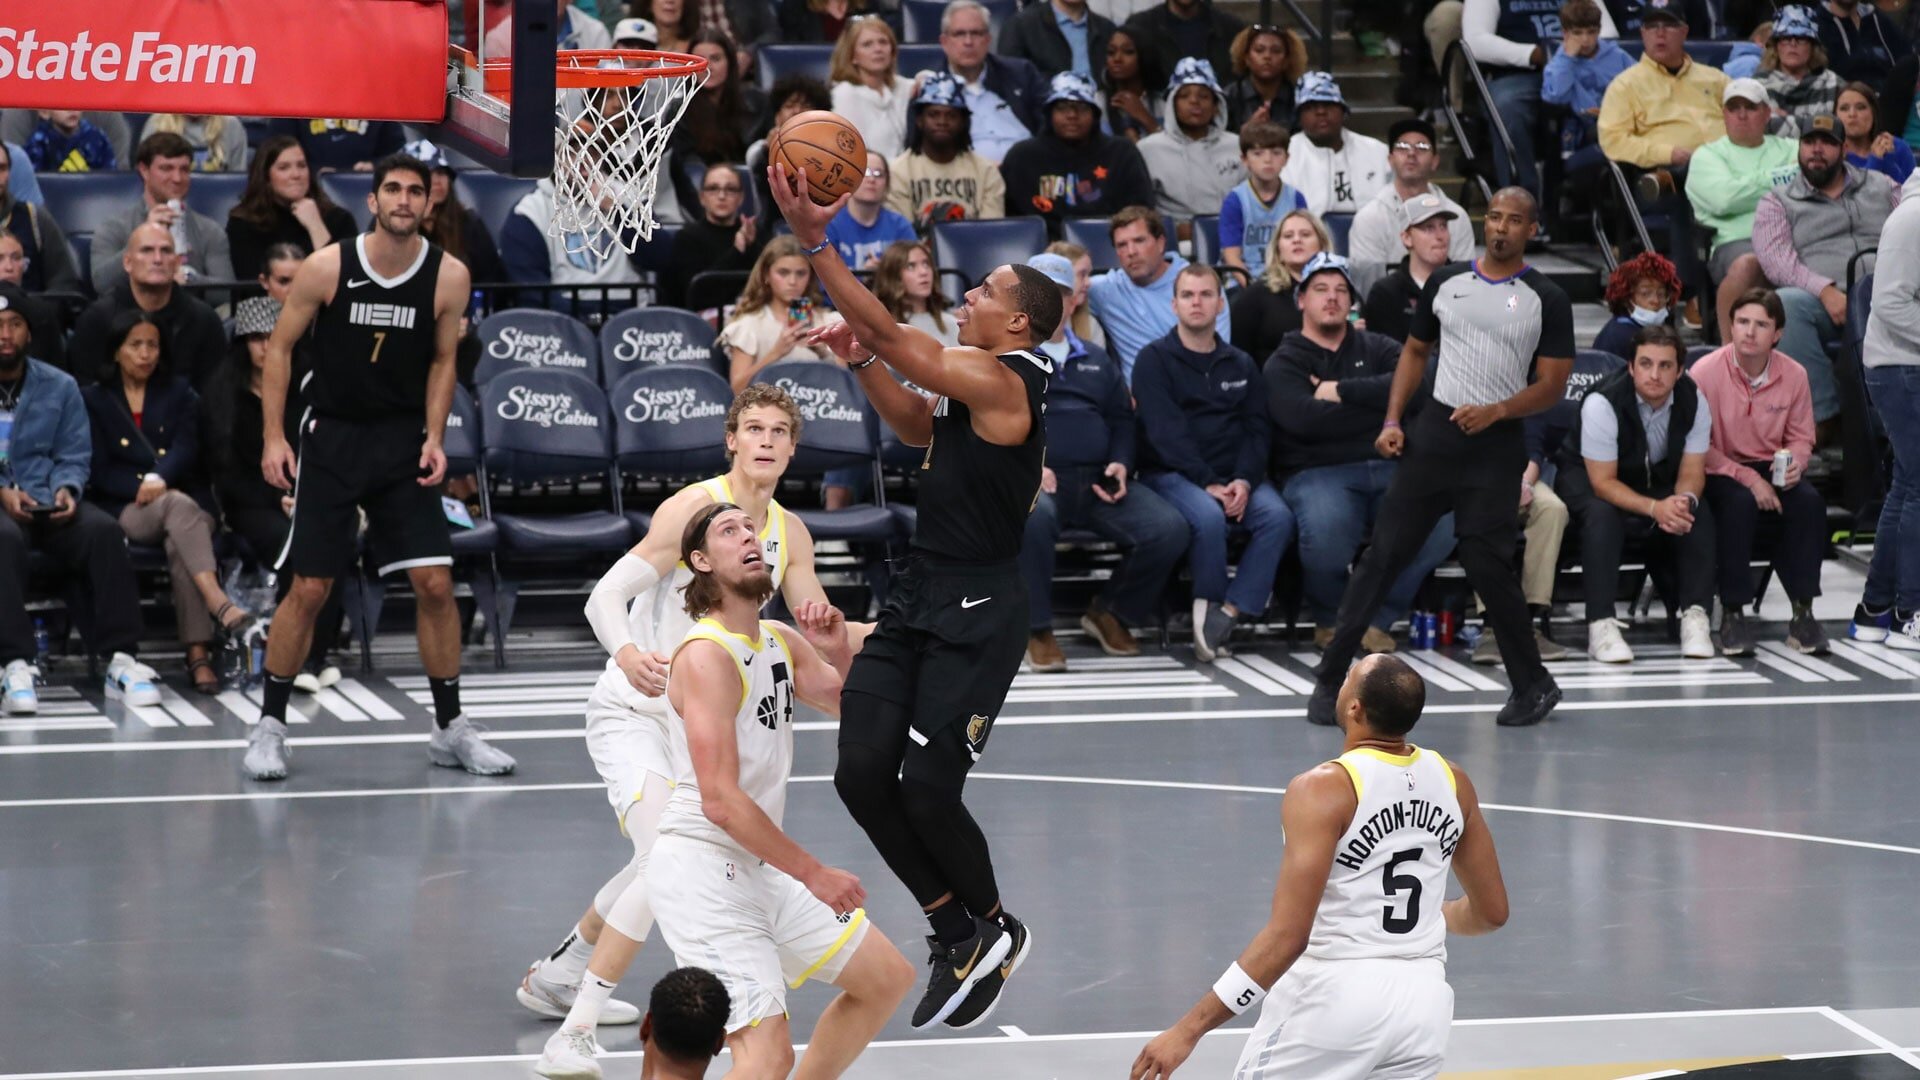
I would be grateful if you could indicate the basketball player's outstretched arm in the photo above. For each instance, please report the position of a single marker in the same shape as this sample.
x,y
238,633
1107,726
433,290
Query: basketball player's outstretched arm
x,y
706,694
450,295
1318,806
649,562
831,635
312,286
1484,907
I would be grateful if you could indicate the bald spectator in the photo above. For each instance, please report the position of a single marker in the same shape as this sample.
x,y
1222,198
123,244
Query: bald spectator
x,y
195,341
165,164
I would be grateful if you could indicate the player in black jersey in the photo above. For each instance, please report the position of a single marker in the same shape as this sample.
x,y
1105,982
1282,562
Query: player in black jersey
x,y
920,700
388,307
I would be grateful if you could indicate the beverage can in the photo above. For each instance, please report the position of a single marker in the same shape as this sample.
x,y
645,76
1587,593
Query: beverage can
x,y
182,244
1449,623
1782,462
1422,629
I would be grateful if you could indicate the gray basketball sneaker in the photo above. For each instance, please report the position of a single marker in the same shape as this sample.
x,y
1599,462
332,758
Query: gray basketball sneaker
x,y
459,746
555,1000
266,757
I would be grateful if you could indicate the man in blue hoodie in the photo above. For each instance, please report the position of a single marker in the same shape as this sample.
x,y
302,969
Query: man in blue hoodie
x,y
1204,435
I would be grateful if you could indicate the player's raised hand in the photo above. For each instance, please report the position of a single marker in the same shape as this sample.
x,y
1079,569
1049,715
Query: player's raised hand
x,y
824,625
1167,1052
838,339
807,218
836,888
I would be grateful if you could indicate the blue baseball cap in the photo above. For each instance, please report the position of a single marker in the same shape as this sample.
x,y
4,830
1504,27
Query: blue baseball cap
x,y
1327,263
1058,268
1318,87
1794,21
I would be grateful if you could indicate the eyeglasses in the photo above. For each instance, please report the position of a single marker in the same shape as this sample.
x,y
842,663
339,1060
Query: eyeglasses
x,y
1414,147
875,174
965,34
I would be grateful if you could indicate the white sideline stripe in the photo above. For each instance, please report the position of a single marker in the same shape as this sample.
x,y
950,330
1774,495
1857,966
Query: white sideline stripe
x,y
369,702
339,706
1252,678
55,723
1870,1035
1106,678
1134,693
577,694
1857,653
153,716
1811,663
1296,683
186,712
66,708
247,707
1891,657
1642,663
1420,662
475,681
1600,682
1460,671
1788,668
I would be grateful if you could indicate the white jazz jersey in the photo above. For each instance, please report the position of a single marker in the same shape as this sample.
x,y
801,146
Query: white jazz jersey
x,y
762,724
657,619
1389,878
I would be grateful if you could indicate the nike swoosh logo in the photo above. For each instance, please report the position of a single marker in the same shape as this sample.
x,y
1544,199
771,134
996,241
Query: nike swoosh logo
x,y
967,603
352,284
961,973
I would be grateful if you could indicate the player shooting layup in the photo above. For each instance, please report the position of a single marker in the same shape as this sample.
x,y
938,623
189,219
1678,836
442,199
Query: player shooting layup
x,y
921,697
1358,935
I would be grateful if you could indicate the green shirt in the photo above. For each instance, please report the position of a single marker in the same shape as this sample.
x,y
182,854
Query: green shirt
x,y
1725,182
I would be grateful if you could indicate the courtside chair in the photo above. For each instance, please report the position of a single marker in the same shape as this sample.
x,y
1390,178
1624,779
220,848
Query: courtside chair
x,y
840,430
647,337
1206,239
350,190
535,338
973,248
776,61
1096,235
216,194
669,423
920,21
490,195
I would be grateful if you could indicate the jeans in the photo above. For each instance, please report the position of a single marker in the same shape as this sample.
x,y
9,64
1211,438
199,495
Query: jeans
x,y
1811,338
1154,534
1893,577
1336,506
1795,537
1267,518
1516,97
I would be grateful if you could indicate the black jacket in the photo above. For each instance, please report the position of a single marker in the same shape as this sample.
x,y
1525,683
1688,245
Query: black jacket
x,y
702,246
1866,53
196,342
250,242
1019,84
1203,416
1243,101
1090,417
1157,26
50,266
1637,470
1308,432
1034,35
46,332
169,421
1262,317
1053,179
1390,304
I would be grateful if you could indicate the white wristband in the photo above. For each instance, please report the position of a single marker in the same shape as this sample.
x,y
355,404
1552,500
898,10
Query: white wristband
x,y
1237,990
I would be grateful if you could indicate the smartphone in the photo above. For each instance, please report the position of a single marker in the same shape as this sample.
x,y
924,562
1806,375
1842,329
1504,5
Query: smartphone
x,y
1108,484
798,310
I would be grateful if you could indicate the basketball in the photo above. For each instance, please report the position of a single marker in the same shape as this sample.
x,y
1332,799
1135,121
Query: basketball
x,y
828,147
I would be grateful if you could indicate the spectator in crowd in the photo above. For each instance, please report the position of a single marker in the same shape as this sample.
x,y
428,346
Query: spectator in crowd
x,y
48,458
573,29
868,89
1133,86
49,266
1806,234
1640,293
940,177
794,93
906,283
748,23
1251,212
1072,169
1794,70
721,238
1204,437
675,22
636,33
1761,405
1085,484
1626,16
195,340
721,119
1862,43
809,22
864,227
1327,389
1635,465
1425,239
1373,244
1869,146
17,125
1085,326
1576,78
65,142
1889,608
534,256
452,224
1725,181
146,472
780,306
1512,40
1265,311
1057,36
216,143
1267,62
1188,28
283,261
1192,159
46,331
20,184
1006,96
333,145
165,164
1136,303
283,203
1338,170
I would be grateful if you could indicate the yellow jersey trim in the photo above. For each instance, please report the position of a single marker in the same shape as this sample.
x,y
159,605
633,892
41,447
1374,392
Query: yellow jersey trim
x,y
719,635
1402,760
846,935
710,623
1353,773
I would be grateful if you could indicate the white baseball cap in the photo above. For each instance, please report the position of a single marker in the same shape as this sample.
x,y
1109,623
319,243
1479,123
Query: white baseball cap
x,y
639,30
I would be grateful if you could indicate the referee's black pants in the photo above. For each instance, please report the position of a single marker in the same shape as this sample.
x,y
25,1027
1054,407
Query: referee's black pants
x,y
1477,477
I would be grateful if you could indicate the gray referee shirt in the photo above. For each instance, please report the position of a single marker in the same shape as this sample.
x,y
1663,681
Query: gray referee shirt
x,y
1490,331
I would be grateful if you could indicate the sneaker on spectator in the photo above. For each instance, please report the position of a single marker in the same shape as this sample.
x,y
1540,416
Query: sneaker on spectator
x,y
1696,634
1550,650
1211,628
307,682
1376,640
22,698
1736,637
1043,652
1486,651
1869,626
132,681
1109,632
1653,184
1605,644
1906,635
1322,637
1805,634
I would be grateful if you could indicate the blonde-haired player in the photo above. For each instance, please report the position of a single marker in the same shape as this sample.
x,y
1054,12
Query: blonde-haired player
x,y
1355,950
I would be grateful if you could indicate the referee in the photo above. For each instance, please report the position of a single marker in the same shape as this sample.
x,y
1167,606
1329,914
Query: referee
x,y
1500,319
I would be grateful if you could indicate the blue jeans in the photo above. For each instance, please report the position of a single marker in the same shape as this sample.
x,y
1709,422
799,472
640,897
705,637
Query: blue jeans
x,y
1893,578
1811,338
1335,507
1516,96
1154,534
1267,518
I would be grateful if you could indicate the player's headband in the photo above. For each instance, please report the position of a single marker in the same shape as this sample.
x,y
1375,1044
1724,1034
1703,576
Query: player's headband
x,y
695,537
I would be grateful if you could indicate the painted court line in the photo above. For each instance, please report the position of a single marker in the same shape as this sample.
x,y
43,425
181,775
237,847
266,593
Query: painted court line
x,y
1811,663
1870,1035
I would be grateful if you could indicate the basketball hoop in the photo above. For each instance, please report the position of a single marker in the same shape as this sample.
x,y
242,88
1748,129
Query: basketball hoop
x,y
612,116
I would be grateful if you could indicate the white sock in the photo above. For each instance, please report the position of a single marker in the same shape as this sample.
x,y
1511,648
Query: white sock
x,y
568,964
593,995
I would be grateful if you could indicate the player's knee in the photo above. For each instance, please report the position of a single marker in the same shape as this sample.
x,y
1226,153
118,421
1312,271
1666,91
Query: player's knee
x,y
927,803
864,782
309,593
432,585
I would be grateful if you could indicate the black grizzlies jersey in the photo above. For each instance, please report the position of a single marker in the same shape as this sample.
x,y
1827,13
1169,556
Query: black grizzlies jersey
x,y
374,344
974,495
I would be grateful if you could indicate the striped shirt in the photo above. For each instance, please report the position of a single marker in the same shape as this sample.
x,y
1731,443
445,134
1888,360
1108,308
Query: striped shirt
x,y
1490,331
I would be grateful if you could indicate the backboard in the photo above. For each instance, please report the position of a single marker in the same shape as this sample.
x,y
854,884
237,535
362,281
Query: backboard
x,y
485,126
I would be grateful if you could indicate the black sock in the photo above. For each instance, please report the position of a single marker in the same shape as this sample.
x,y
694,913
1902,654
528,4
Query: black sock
x,y
951,922
273,696
446,699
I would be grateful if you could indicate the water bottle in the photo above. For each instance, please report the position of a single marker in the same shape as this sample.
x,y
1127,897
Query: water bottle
x,y
479,306
41,648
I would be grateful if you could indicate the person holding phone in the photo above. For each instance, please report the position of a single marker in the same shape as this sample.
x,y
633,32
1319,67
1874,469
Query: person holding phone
x,y
780,306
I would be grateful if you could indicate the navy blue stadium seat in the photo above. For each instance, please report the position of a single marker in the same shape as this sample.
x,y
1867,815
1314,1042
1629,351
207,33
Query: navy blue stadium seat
x,y
1096,235
840,431
649,336
1340,225
920,20
917,57
350,191
543,425
534,337
462,445
975,248
81,201
669,420
216,194
491,196
1206,239
777,61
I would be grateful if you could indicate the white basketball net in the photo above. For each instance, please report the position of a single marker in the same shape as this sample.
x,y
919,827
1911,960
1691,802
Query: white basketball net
x,y
609,146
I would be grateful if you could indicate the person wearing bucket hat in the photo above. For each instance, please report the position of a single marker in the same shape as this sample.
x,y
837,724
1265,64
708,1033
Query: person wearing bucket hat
x,y
1338,170
941,177
1794,70
449,222
1193,159
1072,168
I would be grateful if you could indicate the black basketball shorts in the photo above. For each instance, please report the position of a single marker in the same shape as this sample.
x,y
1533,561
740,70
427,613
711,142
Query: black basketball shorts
x,y
347,466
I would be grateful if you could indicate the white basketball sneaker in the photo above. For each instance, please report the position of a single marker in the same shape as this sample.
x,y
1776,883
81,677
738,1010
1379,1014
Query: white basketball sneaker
x,y
22,698
570,1056
132,681
459,746
1605,644
555,999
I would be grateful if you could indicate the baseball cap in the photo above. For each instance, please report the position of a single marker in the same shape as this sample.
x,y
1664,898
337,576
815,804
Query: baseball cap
x,y
13,298
639,30
427,154
255,315
1058,268
1670,10
1327,263
1411,125
1424,208
1824,126
1746,90
1795,21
